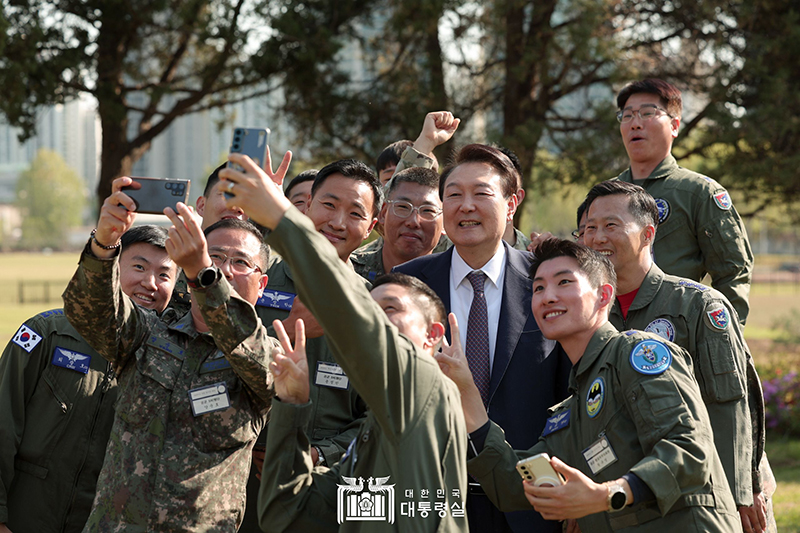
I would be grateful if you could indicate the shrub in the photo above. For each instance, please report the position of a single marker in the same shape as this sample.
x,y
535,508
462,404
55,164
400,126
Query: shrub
x,y
781,398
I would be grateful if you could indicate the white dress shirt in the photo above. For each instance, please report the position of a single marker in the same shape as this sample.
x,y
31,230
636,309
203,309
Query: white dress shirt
x,y
461,294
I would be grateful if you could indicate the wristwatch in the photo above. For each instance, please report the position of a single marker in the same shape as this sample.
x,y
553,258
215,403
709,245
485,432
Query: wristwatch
x,y
320,457
617,498
205,278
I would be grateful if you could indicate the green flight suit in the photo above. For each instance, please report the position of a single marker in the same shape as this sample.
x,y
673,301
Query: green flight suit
x,y
190,404
655,426
414,436
701,321
699,231
336,414
57,396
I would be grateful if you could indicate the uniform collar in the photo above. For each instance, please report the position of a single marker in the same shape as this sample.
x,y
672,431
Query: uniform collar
x,y
648,289
184,325
601,337
666,167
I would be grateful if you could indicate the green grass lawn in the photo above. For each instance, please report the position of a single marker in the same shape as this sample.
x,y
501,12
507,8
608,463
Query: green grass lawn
x,y
784,456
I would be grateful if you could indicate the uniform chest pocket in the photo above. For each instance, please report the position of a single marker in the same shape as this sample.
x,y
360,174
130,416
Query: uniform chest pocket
x,y
231,427
657,407
719,377
146,387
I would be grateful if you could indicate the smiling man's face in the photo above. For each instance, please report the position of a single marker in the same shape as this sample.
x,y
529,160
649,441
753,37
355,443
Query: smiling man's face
x,y
412,237
147,275
648,141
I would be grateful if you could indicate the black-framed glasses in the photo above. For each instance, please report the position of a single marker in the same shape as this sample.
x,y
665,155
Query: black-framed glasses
x,y
404,209
645,113
577,234
239,265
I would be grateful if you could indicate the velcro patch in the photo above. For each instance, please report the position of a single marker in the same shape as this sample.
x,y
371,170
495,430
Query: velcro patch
x,y
276,300
556,422
26,338
651,357
718,318
79,362
167,346
663,210
662,327
693,284
723,200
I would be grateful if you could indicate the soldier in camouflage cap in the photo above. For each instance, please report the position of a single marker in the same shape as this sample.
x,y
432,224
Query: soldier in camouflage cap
x,y
194,389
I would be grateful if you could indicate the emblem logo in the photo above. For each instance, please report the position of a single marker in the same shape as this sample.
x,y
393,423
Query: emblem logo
x,y
556,422
276,300
719,318
722,200
27,338
663,210
651,357
354,504
71,360
595,397
663,328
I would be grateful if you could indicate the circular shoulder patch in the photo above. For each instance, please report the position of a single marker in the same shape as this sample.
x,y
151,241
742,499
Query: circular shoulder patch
x,y
595,397
651,357
718,317
722,200
663,210
662,327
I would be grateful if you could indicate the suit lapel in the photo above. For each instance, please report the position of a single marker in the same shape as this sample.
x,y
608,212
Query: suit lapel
x,y
437,276
514,313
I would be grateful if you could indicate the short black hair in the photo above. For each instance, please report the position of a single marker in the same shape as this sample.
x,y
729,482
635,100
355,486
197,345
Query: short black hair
x,y
213,179
246,225
355,170
420,175
640,203
147,234
669,95
581,211
391,154
304,176
598,269
426,299
512,156
483,153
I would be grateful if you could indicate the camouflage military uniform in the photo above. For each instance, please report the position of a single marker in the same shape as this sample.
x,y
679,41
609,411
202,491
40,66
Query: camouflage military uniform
x,y
368,260
701,321
699,231
414,432
655,426
336,413
57,396
189,409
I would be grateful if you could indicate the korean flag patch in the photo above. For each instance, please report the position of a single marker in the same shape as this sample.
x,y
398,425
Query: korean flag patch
x,y
27,338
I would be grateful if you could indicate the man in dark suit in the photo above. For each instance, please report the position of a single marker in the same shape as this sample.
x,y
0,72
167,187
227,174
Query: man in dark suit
x,y
485,283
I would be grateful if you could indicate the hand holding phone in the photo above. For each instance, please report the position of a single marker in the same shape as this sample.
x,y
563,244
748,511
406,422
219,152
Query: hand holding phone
x,y
539,470
251,142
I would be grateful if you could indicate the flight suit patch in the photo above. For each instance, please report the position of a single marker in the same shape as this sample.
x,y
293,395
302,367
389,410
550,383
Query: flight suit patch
x,y
663,210
556,422
718,318
276,300
722,200
595,397
661,327
79,362
26,338
693,284
651,357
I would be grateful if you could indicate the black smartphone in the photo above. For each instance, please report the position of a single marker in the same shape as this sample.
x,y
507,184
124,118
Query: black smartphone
x,y
157,193
251,142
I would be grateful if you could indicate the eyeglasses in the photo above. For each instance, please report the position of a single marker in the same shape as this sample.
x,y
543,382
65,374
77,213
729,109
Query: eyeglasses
x,y
577,234
645,113
404,209
239,265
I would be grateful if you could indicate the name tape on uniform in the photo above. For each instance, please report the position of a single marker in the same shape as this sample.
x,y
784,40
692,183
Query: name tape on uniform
x,y
79,362
331,375
209,399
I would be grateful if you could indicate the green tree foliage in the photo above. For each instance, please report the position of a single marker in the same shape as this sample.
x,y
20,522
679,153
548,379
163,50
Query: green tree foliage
x,y
51,197
148,62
